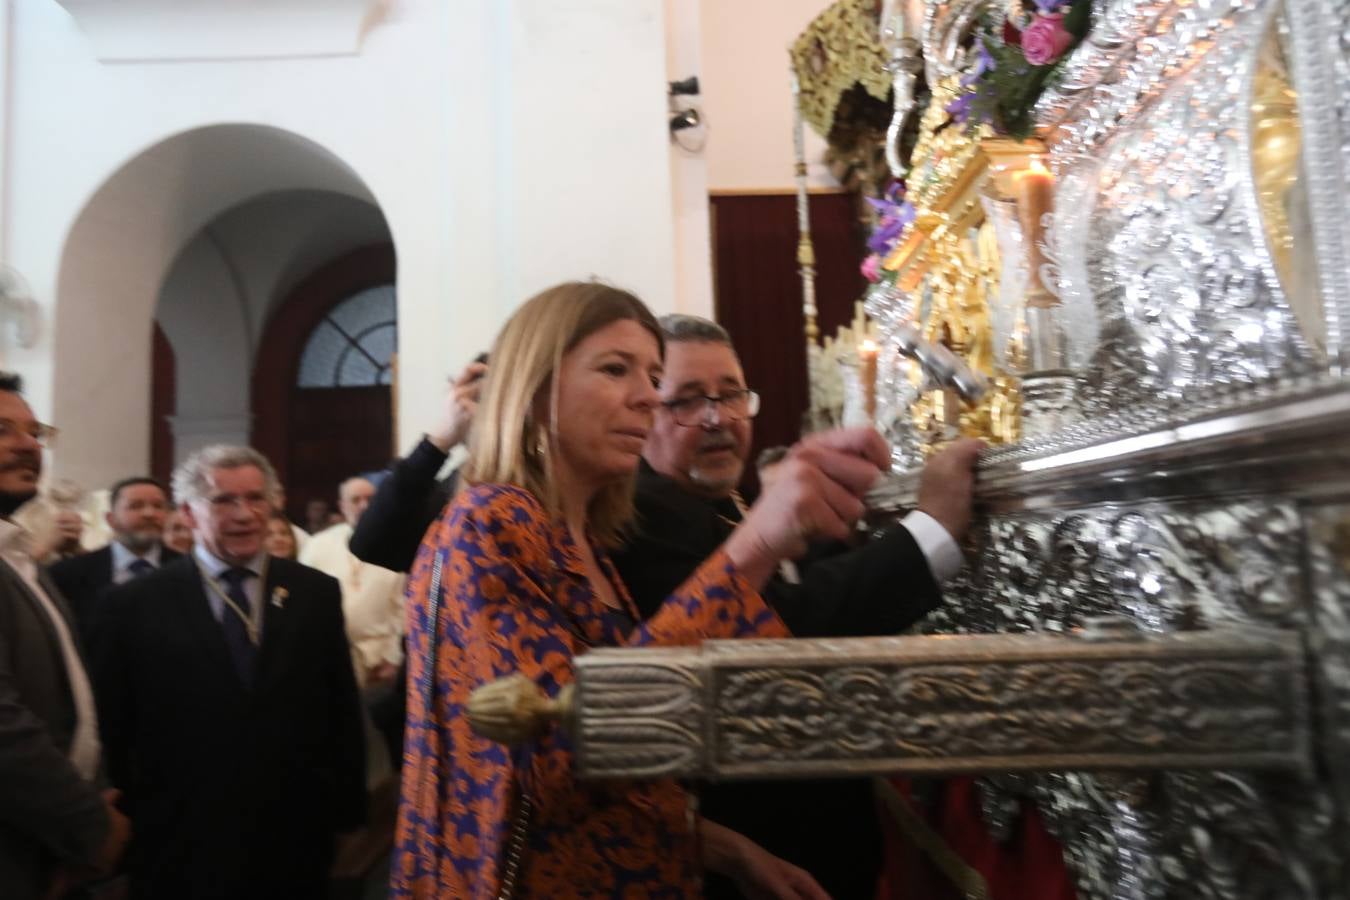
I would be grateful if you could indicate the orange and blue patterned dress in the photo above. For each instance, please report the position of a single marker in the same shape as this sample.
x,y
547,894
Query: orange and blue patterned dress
x,y
515,598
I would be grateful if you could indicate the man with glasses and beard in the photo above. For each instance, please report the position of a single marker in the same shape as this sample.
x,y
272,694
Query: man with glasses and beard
x,y
56,826
138,508
687,505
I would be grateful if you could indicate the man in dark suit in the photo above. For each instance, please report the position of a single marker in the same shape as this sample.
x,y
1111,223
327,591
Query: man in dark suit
x,y
56,825
137,509
230,713
687,507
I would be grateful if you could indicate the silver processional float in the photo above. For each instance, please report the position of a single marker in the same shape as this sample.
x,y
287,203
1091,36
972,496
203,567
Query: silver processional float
x,y
1134,282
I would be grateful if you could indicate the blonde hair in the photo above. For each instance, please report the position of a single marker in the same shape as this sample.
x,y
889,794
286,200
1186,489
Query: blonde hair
x,y
507,443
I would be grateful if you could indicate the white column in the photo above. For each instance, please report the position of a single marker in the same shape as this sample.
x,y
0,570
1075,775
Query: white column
x,y
192,433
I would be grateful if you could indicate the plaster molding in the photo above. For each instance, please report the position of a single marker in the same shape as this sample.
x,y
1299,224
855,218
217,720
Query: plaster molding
x,y
199,30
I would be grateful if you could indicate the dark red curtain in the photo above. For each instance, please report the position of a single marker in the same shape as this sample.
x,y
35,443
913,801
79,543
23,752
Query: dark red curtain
x,y
758,294
163,404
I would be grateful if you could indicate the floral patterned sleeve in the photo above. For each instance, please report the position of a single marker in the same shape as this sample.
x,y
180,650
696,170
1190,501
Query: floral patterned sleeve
x,y
507,606
714,602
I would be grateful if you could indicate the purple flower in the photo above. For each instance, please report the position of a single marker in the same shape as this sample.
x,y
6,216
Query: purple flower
x,y
907,213
894,215
959,109
885,234
984,61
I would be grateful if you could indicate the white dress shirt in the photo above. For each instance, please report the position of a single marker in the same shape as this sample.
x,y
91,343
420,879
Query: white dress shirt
x,y
16,549
372,599
122,558
943,554
212,568
301,538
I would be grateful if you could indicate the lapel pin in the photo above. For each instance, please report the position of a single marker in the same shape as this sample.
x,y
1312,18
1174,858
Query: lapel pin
x,y
279,595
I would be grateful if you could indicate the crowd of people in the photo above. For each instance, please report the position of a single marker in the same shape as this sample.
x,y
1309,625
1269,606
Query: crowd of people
x,y
215,714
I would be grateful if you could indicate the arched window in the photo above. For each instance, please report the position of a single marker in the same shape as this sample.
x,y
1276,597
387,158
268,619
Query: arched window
x,y
354,344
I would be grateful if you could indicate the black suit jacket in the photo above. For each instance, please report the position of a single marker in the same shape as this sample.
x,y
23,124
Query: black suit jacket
x,y
405,505
232,793
49,815
83,579
881,587
827,827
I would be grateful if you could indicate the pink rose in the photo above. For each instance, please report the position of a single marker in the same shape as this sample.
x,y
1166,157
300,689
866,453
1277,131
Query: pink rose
x,y
1045,40
871,268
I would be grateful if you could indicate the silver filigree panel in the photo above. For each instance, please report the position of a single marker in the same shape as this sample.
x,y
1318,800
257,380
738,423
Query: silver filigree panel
x,y
1328,529
1107,699
1170,568
1186,291
1165,567
984,713
647,716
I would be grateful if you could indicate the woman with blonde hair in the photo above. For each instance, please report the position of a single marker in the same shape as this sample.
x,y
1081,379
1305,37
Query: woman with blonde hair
x,y
515,578
280,539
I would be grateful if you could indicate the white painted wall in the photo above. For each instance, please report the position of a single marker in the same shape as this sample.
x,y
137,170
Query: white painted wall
x,y
204,317
6,60
748,94
508,143
587,121
689,169
738,48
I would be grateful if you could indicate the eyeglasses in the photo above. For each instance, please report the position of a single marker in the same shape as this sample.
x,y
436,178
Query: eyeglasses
x,y
250,502
43,434
732,406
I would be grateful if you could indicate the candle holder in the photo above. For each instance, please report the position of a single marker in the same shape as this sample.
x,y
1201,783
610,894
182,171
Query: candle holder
x,y
854,412
899,379
1042,313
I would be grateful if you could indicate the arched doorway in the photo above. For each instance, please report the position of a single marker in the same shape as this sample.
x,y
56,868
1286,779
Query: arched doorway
x,y
114,263
322,385
223,289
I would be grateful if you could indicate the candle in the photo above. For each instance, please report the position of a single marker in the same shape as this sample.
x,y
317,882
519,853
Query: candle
x,y
867,375
1035,193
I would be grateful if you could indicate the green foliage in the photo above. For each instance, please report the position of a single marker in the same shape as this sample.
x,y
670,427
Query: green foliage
x,y
1078,20
1006,96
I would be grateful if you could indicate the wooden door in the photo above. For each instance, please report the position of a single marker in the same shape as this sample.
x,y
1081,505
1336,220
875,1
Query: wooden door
x,y
334,433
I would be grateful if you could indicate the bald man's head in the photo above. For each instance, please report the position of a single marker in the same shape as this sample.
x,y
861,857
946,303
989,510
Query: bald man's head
x,y
353,497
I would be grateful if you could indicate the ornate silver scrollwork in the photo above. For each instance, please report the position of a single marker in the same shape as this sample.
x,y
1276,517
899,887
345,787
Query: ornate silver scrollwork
x,y
1328,534
643,719
1186,290
1168,567
736,709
